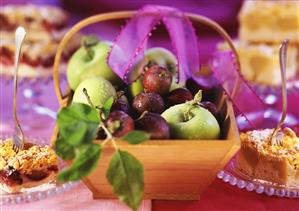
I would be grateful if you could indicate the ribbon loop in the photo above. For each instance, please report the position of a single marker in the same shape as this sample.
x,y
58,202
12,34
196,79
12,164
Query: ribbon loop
x,y
132,40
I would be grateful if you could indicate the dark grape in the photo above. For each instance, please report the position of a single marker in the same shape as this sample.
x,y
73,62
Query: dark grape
x,y
157,79
121,104
178,96
153,124
148,102
119,123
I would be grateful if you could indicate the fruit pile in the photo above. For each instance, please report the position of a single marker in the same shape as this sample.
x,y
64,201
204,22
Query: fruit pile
x,y
154,103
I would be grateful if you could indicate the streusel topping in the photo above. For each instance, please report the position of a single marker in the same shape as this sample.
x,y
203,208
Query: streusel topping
x,y
261,140
30,159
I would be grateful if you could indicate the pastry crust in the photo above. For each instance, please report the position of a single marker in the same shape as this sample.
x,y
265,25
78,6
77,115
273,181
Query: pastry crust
x,y
28,183
261,160
30,167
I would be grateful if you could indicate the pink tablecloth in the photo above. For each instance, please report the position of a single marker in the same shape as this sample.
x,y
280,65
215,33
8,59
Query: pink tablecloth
x,y
77,199
224,197
219,196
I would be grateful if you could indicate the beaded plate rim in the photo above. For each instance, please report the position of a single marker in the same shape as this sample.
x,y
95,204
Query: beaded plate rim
x,y
36,193
234,178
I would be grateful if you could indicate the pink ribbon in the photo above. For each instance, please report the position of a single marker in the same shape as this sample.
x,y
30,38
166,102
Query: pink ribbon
x,y
225,69
131,42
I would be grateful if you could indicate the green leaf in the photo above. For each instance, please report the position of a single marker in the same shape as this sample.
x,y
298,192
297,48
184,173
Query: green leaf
x,y
125,174
63,149
136,137
107,106
78,123
87,157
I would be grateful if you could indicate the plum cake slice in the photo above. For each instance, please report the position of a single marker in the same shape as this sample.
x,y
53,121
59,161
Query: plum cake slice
x,y
259,159
30,167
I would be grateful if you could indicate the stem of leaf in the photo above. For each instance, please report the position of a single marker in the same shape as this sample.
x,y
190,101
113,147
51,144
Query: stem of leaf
x,y
109,136
104,142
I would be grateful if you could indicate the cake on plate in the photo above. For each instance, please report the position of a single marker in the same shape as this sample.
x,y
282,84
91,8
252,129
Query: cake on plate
x,y
269,21
45,26
260,62
260,159
30,167
43,21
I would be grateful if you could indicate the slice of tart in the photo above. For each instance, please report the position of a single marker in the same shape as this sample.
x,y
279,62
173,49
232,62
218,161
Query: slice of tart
x,y
30,167
259,159
45,26
269,21
37,57
260,63
42,20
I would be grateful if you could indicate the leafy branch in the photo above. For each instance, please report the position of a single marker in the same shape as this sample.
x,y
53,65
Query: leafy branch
x,y
78,125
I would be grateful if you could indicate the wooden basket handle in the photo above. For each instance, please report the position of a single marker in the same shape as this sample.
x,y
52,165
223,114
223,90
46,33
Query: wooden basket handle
x,y
122,15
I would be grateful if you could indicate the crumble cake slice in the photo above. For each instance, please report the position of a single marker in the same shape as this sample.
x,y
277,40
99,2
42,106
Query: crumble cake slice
x,y
30,167
259,159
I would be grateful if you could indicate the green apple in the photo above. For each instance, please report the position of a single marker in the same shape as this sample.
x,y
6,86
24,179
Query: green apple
x,y
90,63
136,87
159,56
187,121
98,89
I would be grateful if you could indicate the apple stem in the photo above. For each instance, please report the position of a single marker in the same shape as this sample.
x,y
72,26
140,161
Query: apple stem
x,y
197,98
196,101
120,94
187,115
88,98
87,42
149,64
143,114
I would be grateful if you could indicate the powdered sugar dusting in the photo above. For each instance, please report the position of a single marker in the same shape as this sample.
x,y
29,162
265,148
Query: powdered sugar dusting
x,y
261,140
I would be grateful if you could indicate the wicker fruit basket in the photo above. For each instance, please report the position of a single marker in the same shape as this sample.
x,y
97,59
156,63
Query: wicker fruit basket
x,y
173,169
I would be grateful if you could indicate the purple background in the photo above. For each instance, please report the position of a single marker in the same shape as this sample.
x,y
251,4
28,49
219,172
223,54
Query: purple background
x,y
224,12
219,195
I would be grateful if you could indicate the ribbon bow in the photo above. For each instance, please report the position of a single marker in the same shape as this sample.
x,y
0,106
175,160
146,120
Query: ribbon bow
x,y
131,41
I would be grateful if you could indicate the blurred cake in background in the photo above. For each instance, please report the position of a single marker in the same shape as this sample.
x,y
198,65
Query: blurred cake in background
x,y
263,26
260,63
269,21
45,26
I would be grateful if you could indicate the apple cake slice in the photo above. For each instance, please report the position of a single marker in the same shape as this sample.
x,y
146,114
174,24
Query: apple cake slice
x,y
45,26
260,63
269,21
259,159
30,167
